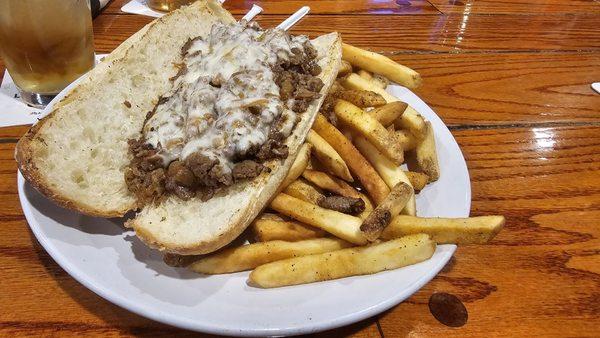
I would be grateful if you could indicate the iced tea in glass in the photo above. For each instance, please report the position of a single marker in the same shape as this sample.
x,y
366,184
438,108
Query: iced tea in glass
x,y
167,5
45,45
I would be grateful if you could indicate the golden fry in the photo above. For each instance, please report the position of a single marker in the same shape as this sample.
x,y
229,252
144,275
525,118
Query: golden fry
x,y
406,140
410,119
382,65
472,230
368,177
361,98
330,183
345,68
417,180
389,172
388,113
344,263
370,128
328,157
298,166
304,191
336,223
427,155
292,231
249,256
374,224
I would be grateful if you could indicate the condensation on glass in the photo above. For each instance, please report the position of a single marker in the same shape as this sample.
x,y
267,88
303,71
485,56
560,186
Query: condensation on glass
x,y
45,45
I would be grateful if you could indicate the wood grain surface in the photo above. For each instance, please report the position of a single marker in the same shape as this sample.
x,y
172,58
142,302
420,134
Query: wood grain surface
x,y
511,78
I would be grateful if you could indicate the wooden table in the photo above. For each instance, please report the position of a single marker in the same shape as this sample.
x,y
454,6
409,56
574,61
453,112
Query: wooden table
x,y
512,80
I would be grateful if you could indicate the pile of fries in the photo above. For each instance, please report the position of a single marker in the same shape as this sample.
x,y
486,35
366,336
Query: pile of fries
x,y
347,207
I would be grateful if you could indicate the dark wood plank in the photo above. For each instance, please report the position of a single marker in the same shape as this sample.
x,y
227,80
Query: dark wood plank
x,y
409,7
418,33
517,6
508,88
541,275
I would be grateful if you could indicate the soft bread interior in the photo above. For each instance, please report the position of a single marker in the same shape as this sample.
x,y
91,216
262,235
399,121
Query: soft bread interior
x,y
196,227
76,155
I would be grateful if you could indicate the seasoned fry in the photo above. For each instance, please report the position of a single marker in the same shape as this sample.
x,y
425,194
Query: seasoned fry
x,y
304,191
389,208
388,113
389,172
427,155
410,119
417,180
340,225
361,98
380,81
292,231
380,64
368,207
330,183
344,263
249,256
370,128
345,68
406,140
365,173
472,230
364,74
298,166
328,157
375,79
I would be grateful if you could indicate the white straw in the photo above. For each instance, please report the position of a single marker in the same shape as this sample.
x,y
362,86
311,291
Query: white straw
x,y
292,20
254,11
221,1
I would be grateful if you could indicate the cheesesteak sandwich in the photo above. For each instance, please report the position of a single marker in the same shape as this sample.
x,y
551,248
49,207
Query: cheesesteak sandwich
x,y
194,121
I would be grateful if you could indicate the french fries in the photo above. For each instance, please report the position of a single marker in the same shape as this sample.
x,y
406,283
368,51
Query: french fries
x,y
329,183
406,140
328,157
361,98
370,128
389,172
365,173
298,166
364,74
304,191
369,146
344,263
472,230
376,80
380,64
417,180
345,68
427,155
389,112
377,220
340,225
266,229
249,256
410,119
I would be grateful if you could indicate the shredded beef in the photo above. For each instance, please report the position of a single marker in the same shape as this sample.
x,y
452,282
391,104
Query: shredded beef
x,y
200,176
247,169
347,205
273,148
179,261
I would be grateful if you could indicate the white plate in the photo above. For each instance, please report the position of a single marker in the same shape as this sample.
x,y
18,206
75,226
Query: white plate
x,y
113,263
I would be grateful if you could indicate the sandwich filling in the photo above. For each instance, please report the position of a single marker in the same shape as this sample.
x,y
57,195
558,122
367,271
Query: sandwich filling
x,y
235,100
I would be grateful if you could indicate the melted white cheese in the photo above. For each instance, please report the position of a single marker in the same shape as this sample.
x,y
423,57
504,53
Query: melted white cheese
x,y
196,116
